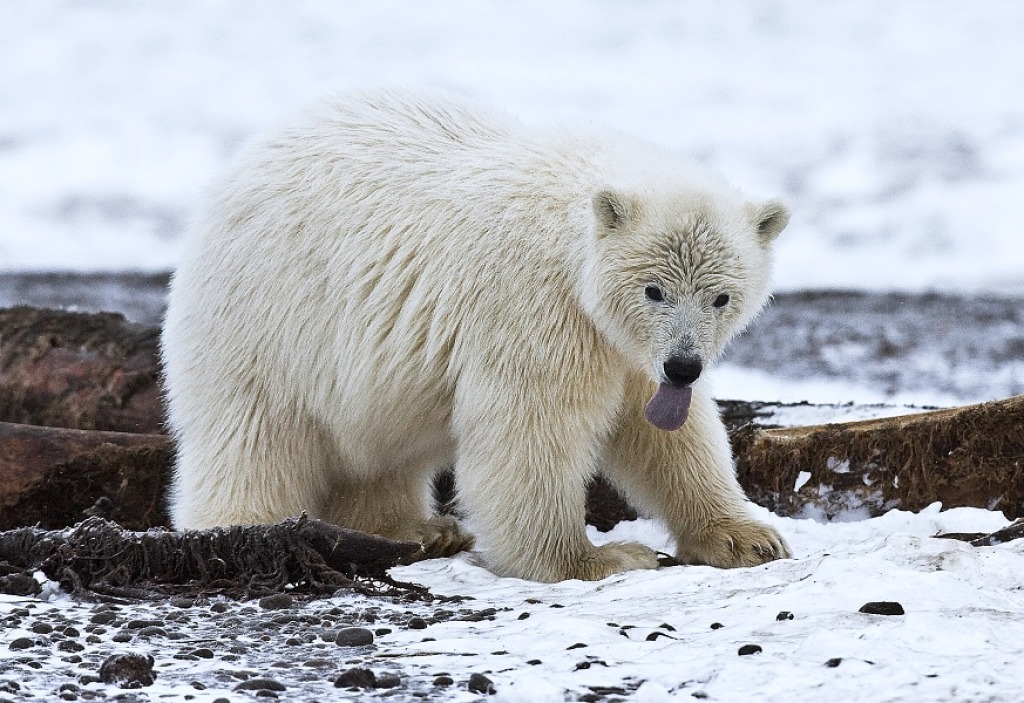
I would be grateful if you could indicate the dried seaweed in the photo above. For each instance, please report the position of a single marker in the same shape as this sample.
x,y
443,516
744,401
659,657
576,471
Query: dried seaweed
x,y
98,558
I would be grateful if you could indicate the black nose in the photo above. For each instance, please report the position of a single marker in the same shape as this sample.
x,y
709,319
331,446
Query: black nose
x,y
682,371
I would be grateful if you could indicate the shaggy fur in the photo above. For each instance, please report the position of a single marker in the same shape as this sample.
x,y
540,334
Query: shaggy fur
x,y
394,283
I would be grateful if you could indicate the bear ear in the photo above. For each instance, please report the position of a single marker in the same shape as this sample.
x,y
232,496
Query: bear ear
x,y
769,219
614,211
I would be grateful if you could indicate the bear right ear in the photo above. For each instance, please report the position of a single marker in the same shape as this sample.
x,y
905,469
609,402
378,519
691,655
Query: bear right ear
x,y
614,211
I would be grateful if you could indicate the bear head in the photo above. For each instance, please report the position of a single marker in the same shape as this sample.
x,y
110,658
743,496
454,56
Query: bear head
x,y
670,277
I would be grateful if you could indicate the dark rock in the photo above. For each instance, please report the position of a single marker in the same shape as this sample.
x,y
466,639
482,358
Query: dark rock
x,y
140,624
128,671
444,681
202,653
261,684
104,618
534,662
655,635
523,616
22,643
834,662
277,601
578,645
417,624
717,626
478,683
387,679
784,615
356,678
42,628
882,607
20,585
748,649
153,631
353,637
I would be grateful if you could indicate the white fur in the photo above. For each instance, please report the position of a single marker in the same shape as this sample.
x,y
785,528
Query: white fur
x,y
394,283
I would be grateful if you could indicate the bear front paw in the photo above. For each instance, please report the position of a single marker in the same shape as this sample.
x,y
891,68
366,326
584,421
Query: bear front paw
x,y
614,558
741,542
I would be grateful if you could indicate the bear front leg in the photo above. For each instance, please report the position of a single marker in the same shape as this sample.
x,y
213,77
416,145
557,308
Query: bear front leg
x,y
522,478
686,478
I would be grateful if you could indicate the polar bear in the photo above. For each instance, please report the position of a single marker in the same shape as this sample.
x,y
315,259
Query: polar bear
x,y
393,283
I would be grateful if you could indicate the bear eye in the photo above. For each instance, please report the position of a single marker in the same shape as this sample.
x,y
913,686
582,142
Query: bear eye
x,y
654,294
722,300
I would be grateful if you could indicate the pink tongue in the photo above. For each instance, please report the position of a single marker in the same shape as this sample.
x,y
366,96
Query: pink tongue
x,y
668,408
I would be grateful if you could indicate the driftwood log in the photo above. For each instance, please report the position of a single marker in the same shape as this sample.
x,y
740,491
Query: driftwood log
x,y
100,557
85,371
966,456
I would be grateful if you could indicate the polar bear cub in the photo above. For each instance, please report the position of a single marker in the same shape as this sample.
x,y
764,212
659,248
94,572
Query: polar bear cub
x,y
394,283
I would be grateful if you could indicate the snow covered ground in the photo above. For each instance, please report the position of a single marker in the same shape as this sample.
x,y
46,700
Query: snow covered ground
x,y
896,131
669,635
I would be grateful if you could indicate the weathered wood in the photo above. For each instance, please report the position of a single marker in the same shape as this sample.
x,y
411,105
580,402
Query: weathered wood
x,y
965,456
87,371
55,477
308,556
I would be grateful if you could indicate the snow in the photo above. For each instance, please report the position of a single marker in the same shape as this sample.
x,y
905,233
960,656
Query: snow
x,y
959,640
896,132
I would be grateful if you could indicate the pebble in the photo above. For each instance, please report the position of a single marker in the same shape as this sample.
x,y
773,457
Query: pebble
x,y
104,618
140,624
478,683
22,643
784,615
128,671
388,679
717,626
834,662
277,601
748,649
356,678
882,607
353,637
261,684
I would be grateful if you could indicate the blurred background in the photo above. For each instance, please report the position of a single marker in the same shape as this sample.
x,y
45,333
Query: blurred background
x,y
895,130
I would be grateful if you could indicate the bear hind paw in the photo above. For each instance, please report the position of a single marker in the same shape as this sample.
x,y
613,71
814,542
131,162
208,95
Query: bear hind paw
x,y
443,536
614,558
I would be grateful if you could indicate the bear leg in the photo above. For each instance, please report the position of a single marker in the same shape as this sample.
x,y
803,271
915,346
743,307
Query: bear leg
x,y
686,478
258,470
522,478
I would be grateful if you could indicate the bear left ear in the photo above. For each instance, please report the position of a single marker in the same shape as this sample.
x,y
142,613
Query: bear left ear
x,y
769,219
614,211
